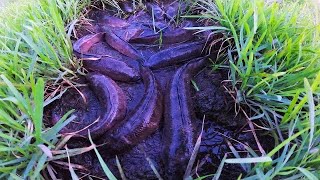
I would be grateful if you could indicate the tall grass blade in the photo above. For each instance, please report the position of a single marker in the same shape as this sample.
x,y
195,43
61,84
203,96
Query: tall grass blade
x,y
104,166
248,160
37,115
220,168
307,173
311,111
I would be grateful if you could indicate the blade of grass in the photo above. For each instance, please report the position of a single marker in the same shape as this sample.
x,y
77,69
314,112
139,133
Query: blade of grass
x,y
104,166
311,111
38,93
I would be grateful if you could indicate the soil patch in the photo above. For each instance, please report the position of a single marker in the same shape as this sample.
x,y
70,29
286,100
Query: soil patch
x,y
167,59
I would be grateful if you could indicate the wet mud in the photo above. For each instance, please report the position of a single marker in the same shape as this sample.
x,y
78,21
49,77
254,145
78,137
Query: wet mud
x,y
168,91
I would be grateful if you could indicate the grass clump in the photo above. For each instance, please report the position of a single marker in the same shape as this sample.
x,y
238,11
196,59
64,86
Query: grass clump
x,y
34,47
273,60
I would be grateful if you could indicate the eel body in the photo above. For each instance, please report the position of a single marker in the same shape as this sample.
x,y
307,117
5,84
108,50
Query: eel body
x,y
121,45
115,22
142,122
111,98
175,55
115,69
168,37
179,131
83,45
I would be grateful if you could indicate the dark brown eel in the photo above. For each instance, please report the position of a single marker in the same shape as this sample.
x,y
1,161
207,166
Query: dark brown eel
x,y
142,122
82,45
113,100
115,22
129,33
120,45
168,37
179,131
175,55
155,10
115,69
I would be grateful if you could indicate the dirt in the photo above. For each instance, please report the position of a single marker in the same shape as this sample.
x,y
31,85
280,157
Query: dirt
x,y
87,108
213,106
221,124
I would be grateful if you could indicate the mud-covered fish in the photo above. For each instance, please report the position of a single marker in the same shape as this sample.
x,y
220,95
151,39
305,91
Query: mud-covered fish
x,y
167,37
128,33
173,10
120,45
115,69
175,55
112,99
179,132
142,122
83,45
114,22
155,11
106,106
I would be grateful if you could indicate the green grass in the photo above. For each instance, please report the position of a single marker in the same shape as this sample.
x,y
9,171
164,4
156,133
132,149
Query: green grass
x,y
273,62
34,47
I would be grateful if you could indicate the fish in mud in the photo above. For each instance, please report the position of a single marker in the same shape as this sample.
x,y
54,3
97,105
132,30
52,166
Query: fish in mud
x,y
175,55
179,130
115,69
142,122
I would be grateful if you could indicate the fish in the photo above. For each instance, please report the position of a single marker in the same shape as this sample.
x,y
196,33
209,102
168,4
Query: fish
x,y
83,45
113,68
112,99
128,33
114,22
173,10
179,131
155,10
167,37
140,123
175,55
120,45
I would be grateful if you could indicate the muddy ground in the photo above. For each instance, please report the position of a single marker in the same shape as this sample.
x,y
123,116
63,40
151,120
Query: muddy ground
x,y
211,104
221,124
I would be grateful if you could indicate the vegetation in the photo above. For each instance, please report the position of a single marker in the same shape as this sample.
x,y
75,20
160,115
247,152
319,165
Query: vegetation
x,y
273,59
35,47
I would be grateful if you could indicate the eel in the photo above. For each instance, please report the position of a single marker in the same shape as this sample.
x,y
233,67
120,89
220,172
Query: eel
x,y
115,22
174,55
115,69
155,10
125,33
179,130
112,99
120,45
140,123
132,31
172,10
87,109
168,37
83,45
107,104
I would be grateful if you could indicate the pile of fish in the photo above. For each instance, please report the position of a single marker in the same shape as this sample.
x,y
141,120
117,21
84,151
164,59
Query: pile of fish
x,y
139,81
